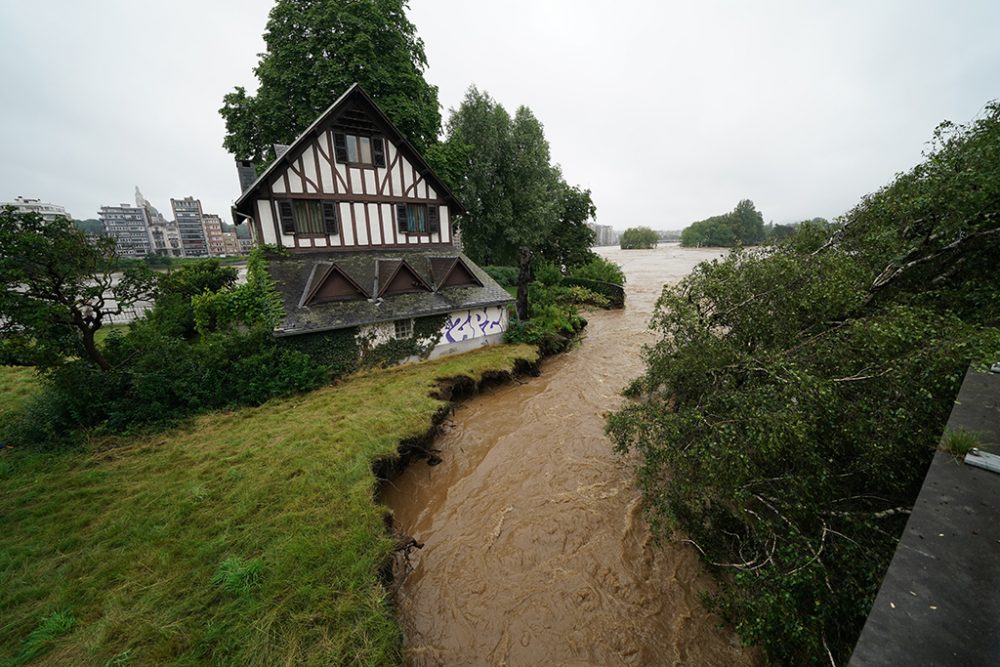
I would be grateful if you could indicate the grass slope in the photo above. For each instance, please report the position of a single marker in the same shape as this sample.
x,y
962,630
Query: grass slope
x,y
249,538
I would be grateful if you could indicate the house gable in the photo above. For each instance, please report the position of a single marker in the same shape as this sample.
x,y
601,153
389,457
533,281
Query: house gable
x,y
330,283
351,158
453,272
398,277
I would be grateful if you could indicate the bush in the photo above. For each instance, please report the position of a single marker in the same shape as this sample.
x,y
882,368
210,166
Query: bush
x,y
506,276
639,238
599,269
796,395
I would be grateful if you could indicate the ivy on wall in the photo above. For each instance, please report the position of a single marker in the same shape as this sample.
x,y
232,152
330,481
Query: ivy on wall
x,y
426,335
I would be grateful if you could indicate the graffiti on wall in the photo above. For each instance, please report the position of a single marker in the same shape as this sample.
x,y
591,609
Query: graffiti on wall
x,y
463,325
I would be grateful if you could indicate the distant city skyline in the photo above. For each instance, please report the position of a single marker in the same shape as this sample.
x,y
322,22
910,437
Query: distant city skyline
x,y
802,107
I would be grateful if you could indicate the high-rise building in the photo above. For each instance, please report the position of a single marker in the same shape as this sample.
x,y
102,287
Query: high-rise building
x,y
129,226
213,234
189,218
603,234
49,212
232,242
165,234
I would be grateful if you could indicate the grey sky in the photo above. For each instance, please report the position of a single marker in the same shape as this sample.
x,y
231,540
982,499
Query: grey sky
x,y
669,112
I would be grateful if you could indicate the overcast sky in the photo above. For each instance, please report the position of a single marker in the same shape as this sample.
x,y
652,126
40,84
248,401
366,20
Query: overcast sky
x,y
669,112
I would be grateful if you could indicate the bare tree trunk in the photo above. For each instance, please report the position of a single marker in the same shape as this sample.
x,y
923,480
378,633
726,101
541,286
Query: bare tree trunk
x,y
524,276
93,352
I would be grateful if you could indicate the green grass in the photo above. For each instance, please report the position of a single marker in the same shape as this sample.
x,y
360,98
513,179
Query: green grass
x,y
17,385
959,442
102,334
250,537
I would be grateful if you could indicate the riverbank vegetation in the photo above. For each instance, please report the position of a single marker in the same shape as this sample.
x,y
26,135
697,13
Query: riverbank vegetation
x,y
744,225
247,537
639,238
789,411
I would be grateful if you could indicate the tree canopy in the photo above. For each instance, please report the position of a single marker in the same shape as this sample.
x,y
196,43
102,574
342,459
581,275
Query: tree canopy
x,y
315,50
743,225
638,238
501,168
797,392
59,287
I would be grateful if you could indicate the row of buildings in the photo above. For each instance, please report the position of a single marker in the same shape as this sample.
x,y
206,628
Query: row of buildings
x,y
141,230
603,234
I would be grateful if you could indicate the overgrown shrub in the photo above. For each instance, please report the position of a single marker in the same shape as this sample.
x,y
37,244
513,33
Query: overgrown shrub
x,y
173,313
506,276
795,397
600,269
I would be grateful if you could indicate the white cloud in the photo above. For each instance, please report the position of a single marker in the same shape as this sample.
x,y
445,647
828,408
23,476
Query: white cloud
x,y
669,112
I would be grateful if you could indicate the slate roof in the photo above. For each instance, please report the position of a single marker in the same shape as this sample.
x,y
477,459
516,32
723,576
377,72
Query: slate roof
x,y
293,278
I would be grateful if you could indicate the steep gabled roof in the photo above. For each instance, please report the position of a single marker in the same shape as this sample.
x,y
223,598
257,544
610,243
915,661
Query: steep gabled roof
x,y
354,92
293,274
390,269
443,268
322,273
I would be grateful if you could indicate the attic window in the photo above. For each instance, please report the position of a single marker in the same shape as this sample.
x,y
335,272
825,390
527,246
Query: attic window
x,y
359,150
403,329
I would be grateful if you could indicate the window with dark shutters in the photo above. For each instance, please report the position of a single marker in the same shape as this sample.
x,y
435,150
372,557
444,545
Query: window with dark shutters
x,y
286,217
330,217
401,223
432,219
340,147
378,151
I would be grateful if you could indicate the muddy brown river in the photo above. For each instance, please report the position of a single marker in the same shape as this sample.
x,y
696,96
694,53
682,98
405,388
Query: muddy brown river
x,y
536,551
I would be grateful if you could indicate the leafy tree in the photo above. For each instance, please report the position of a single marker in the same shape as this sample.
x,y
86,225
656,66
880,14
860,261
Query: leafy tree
x,y
637,238
744,225
173,314
570,241
796,394
315,50
91,226
58,288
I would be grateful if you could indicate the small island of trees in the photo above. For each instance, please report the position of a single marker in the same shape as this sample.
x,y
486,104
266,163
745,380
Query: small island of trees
x,y
639,238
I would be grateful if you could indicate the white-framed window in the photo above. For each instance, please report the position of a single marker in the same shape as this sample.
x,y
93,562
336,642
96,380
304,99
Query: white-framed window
x,y
403,328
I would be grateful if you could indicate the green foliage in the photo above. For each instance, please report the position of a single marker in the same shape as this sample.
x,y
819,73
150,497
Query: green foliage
x,y
639,238
515,196
315,49
57,287
337,350
173,313
426,335
743,225
90,226
506,276
254,304
797,392
600,269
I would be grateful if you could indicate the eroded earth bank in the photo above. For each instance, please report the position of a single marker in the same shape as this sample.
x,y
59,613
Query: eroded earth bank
x,y
535,547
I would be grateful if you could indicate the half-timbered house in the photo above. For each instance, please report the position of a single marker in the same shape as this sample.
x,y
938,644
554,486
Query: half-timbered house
x,y
369,230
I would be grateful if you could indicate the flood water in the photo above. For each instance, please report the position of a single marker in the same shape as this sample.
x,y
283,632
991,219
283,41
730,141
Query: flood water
x,y
536,551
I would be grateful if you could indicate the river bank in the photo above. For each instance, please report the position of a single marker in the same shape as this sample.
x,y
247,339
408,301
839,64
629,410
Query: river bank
x,y
535,547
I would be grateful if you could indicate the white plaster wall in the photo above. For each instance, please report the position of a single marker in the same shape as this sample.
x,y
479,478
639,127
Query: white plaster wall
x,y
473,323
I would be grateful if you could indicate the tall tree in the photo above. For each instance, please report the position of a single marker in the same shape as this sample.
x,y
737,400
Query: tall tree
x,y
569,243
484,126
315,50
57,289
